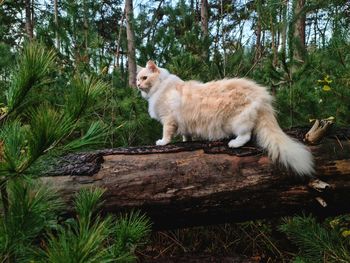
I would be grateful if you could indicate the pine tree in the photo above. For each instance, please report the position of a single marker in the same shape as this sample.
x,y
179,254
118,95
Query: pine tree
x,y
32,133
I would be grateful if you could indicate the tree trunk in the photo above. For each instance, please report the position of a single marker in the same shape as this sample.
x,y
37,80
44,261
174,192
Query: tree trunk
x,y
258,47
131,43
56,25
273,43
258,40
86,32
284,30
197,183
117,53
29,21
204,27
299,30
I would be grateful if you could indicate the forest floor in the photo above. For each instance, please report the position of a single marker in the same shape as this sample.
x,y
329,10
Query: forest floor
x,y
253,241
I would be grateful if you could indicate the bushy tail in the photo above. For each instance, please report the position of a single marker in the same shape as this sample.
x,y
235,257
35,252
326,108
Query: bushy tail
x,y
280,147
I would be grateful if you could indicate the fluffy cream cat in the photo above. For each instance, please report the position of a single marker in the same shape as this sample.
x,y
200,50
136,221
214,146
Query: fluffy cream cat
x,y
219,109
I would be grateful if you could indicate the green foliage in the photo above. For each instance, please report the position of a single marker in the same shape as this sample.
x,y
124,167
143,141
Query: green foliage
x,y
48,127
83,93
93,138
33,209
28,139
39,129
87,201
130,229
81,239
13,137
32,70
130,119
90,238
316,242
33,219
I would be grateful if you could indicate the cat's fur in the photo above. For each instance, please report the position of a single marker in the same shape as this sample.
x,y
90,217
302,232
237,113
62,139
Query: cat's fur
x,y
220,109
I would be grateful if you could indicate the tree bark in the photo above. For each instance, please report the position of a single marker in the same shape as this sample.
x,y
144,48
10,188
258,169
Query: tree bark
x,y
204,27
299,30
273,43
86,32
56,25
29,20
258,47
284,30
199,183
131,42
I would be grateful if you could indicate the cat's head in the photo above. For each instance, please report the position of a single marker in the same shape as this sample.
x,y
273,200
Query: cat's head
x,y
147,77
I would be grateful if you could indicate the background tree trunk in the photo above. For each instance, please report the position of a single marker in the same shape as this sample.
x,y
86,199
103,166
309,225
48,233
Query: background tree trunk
x,y
198,183
284,30
204,27
299,30
131,42
56,25
258,46
29,21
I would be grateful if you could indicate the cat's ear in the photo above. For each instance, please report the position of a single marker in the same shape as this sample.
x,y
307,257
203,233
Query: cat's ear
x,y
152,66
138,69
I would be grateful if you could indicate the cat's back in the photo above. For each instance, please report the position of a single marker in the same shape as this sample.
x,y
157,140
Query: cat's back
x,y
234,88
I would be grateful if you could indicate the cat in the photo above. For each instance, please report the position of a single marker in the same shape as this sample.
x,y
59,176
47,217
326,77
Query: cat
x,y
217,110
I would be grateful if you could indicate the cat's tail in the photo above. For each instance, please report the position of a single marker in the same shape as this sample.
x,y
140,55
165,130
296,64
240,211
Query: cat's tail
x,y
280,147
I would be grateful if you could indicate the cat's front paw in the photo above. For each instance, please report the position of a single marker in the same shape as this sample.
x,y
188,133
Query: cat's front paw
x,y
162,142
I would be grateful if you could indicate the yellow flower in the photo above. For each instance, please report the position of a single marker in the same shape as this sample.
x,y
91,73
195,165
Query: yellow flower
x,y
3,109
326,79
331,118
345,233
334,223
326,88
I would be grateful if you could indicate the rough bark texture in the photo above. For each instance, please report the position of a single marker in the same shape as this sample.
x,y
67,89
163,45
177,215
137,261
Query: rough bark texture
x,y
56,25
131,43
258,47
204,27
299,30
29,19
204,17
200,183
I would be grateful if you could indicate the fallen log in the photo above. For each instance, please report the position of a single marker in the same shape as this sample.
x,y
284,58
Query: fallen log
x,y
199,183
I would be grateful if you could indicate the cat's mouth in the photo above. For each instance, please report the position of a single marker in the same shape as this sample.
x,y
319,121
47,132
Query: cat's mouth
x,y
144,89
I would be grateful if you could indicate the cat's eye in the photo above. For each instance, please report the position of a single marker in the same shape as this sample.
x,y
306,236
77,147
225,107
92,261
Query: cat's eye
x,y
144,77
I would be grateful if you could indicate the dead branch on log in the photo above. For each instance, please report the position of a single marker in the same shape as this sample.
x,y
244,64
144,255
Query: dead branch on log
x,y
318,131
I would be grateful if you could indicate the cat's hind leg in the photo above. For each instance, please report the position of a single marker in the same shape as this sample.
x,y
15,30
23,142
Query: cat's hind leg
x,y
243,125
240,140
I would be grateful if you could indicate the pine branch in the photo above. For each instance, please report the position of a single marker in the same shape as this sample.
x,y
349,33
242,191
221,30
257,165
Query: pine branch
x,y
315,242
33,67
